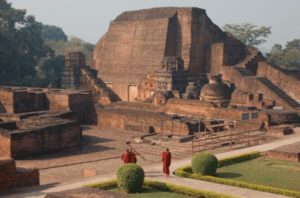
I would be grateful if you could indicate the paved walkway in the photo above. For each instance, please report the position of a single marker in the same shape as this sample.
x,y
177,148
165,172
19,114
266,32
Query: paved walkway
x,y
153,172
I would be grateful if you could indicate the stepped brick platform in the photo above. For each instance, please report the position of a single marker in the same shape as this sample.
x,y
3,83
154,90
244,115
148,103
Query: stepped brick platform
x,y
27,99
142,121
12,177
38,135
40,120
157,32
289,152
7,117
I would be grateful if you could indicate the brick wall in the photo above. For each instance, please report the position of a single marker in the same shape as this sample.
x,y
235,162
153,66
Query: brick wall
x,y
80,103
289,81
5,144
27,177
12,177
7,173
280,155
6,98
206,110
137,41
51,137
142,122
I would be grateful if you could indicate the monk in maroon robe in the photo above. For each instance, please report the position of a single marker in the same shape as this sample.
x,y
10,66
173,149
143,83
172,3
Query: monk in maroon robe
x,y
126,157
166,159
132,156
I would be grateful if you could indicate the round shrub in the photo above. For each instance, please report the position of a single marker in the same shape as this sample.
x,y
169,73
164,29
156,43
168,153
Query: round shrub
x,y
130,178
204,163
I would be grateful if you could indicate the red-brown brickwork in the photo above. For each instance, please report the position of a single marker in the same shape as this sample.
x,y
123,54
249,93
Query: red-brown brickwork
x,y
12,177
158,32
38,136
289,81
136,120
289,152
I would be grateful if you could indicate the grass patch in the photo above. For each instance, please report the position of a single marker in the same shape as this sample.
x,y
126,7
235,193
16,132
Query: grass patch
x,y
161,189
229,174
263,171
149,192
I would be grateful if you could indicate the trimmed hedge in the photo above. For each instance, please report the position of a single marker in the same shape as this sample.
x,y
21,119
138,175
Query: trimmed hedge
x,y
238,158
188,173
204,163
130,178
164,186
107,185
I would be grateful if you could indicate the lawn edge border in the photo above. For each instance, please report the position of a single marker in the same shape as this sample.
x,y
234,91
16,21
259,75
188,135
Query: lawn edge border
x,y
165,186
186,172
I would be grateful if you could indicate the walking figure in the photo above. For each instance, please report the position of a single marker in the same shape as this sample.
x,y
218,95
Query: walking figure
x,y
126,157
166,159
133,158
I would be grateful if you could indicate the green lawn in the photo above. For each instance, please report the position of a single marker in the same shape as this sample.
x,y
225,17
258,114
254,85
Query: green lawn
x,y
263,171
151,192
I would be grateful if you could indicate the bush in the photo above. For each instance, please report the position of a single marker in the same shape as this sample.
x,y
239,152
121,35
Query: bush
x,y
204,163
187,172
130,178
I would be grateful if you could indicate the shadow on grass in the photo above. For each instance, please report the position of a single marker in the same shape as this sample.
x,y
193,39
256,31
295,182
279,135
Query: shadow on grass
x,y
228,175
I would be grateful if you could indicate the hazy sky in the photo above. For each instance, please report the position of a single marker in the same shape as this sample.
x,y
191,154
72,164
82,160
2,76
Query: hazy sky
x,y
89,19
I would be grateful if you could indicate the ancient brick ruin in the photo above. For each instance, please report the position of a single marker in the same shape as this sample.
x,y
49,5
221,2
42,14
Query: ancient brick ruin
x,y
175,70
161,71
171,34
289,153
78,75
165,53
12,176
38,121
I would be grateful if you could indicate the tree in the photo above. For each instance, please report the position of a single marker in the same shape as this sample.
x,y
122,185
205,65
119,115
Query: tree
x,y
74,44
250,34
50,68
51,71
30,52
21,44
288,57
53,33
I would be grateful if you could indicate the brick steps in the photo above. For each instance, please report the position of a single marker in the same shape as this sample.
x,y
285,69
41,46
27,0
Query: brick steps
x,y
279,92
97,86
253,54
244,72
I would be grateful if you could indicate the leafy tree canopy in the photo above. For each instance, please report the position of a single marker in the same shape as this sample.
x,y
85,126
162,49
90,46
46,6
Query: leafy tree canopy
x,y
287,57
31,53
74,44
250,34
53,33
21,44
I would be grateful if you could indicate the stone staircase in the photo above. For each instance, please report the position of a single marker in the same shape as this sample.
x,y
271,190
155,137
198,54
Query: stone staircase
x,y
279,92
253,55
244,72
99,89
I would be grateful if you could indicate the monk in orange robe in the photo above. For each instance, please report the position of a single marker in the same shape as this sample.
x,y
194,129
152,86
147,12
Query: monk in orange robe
x,y
126,157
166,159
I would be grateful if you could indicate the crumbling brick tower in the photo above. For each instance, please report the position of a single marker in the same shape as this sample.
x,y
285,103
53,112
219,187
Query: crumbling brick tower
x,y
137,41
74,61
